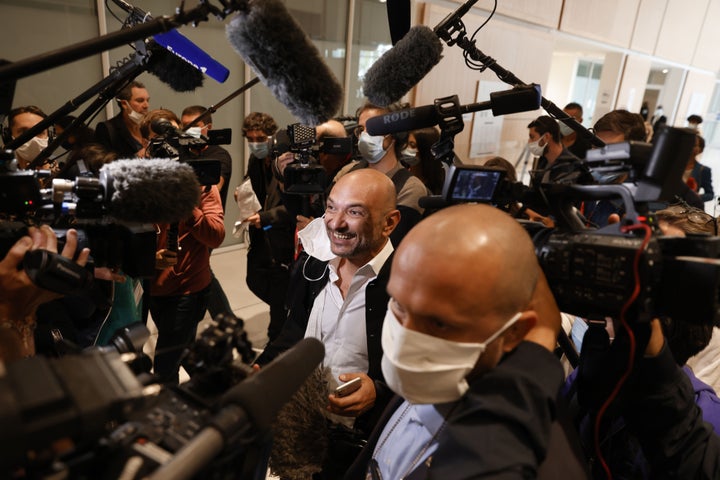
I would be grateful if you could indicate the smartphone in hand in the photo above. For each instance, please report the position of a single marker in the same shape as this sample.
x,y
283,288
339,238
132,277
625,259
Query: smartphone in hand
x,y
348,387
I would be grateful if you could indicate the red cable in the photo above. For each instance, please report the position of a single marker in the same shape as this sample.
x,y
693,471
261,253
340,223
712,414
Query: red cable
x,y
631,336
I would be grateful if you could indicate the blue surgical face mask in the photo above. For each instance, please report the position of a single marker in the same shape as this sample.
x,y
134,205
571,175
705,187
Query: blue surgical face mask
x,y
259,149
371,147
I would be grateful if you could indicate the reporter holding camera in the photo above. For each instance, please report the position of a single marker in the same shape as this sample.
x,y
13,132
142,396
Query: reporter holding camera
x,y
20,298
662,422
180,288
272,229
306,207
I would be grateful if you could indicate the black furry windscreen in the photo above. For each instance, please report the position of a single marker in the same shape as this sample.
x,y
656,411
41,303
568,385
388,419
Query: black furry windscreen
x,y
301,434
173,70
403,66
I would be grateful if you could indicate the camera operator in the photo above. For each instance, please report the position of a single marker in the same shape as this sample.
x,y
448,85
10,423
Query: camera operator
x,y
331,162
272,231
685,337
20,120
20,298
659,409
179,292
622,126
217,301
214,152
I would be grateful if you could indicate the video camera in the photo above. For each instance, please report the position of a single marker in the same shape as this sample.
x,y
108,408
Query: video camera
x,y
116,422
171,142
593,272
305,176
82,204
113,411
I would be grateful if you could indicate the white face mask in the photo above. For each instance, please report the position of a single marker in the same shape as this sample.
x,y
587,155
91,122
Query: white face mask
x,y
136,117
195,132
27,152
315,240
371,147
535,148
259,149
409,157
425,369
564,129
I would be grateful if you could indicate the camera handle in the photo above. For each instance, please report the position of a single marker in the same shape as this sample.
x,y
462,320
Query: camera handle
x,y
559,194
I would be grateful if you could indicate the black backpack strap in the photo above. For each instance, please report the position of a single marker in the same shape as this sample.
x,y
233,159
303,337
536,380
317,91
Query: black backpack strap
x,y
399,178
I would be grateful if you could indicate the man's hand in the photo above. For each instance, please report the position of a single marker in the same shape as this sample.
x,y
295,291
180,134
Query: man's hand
x,y
165,258
19,297
533,216
283,161
358,402
105,273
254,220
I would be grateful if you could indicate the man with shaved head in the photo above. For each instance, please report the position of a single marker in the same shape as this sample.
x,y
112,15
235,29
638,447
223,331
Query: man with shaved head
x,y
338,294
467,343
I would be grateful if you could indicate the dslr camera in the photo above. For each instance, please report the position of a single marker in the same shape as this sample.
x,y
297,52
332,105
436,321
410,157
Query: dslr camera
x,y
305,176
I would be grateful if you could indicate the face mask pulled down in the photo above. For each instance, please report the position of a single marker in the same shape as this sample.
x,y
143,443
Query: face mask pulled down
x,y
427,370
136,117
315,241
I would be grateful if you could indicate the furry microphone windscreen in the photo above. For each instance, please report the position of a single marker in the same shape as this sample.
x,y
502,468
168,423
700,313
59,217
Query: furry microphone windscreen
x,y
172,70
271,42
300,432
403,66
150,191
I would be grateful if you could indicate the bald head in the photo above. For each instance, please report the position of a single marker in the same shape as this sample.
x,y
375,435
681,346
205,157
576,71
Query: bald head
x,y
477,255
331,128
377,188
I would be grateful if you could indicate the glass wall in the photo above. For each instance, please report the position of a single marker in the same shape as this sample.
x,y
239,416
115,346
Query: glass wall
x,y
35,27
371,38
585,87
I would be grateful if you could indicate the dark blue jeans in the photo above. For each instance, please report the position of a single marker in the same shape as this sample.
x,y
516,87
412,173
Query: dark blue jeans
x,y
176,318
